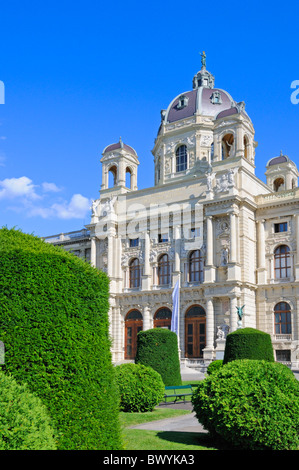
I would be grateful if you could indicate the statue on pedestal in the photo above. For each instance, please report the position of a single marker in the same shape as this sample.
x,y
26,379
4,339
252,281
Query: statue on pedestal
x,y
240,315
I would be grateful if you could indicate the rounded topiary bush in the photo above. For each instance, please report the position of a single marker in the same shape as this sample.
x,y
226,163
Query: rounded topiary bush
x,y
140,387
251,404
248,343
158,348
214,366
24,420
54,325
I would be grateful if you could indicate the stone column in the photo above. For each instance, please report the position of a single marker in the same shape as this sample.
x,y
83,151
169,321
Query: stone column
x,y
146,317
210,242
177,238
121,173
134,180
93,252
210,325
297,247
261,244
146,278
234,268
233,314
239,144
261,268
209,350
209,270
105,180
146,253
233,238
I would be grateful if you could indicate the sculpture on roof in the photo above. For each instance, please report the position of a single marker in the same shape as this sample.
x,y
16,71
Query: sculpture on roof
x,y
203,59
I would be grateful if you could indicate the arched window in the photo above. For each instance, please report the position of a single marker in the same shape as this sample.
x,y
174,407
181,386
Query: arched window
x,y
162,318
282,262
112,176
282,319
195,266
128,178
181,158
212,151
163,270
278,184
133,324
134,271
227,145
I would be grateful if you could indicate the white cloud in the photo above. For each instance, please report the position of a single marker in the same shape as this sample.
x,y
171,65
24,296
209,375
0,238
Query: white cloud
x,y
77,208
11,188
50,187
26,199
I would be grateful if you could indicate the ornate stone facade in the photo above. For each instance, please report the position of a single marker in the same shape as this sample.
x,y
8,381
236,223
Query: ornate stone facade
x,y
230,239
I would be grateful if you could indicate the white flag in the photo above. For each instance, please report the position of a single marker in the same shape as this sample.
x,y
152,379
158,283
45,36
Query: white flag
x,y
175,310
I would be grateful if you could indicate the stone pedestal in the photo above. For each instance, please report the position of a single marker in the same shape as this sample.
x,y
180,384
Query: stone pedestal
x,y
209,355
220,348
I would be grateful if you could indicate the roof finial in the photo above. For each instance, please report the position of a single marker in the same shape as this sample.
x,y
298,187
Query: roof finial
x,y
203,59
121,142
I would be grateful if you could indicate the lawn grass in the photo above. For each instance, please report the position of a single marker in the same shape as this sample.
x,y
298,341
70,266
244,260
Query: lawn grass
x,y
140,439
137,439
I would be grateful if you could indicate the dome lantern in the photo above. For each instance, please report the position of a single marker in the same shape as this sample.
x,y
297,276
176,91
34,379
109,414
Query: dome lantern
x,y
203,78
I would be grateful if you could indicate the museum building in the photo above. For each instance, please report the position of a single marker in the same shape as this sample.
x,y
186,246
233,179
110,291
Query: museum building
x,y
229,240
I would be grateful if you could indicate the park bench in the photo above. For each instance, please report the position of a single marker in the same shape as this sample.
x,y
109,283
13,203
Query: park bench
x,y
178,391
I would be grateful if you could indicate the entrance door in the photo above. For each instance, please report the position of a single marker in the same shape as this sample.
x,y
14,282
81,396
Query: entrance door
x,y
133,324
195,331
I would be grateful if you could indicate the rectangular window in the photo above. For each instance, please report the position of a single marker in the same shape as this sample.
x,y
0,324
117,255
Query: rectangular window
x,y
134,242
194,232
87,254
163,237
281,227
283,355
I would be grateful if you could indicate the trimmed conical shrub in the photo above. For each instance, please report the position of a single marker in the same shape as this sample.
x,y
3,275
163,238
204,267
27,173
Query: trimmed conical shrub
x,y
54,326
158,348
248,343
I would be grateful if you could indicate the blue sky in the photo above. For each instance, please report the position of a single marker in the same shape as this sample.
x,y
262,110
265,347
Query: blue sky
x,y
80,75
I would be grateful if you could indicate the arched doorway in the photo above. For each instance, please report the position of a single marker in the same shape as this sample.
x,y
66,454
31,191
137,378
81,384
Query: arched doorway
x,y
133,324
195,331
162,318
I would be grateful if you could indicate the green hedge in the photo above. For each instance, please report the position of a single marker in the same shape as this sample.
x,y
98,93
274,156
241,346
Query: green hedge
x,y
248,343
54,325
251,404
140,387
158,348
24,420
214,366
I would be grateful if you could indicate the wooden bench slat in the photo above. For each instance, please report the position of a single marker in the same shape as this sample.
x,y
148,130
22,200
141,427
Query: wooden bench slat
x,y
176,393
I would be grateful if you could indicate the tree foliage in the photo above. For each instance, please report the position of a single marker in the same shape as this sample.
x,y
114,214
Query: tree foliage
x,y
54,325
158,348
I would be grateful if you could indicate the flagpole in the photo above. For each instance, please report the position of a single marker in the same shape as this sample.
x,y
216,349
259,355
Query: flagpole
x,y
175,318
179,311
